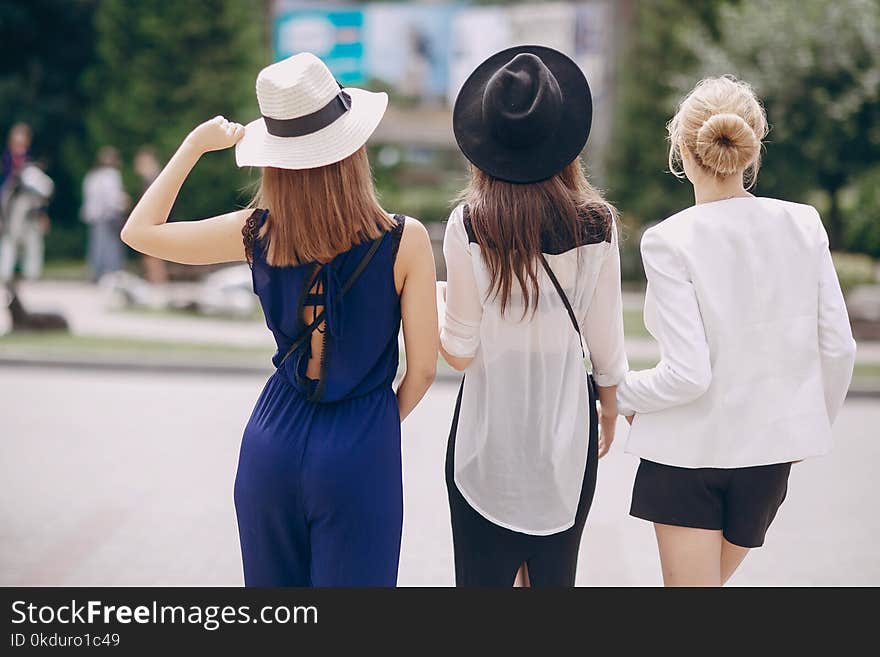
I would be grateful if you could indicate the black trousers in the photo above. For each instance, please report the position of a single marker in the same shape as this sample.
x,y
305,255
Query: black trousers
x,y
489,555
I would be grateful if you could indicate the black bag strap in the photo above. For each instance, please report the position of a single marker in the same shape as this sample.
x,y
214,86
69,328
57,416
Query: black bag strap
x,y
306,333
565,300
593,389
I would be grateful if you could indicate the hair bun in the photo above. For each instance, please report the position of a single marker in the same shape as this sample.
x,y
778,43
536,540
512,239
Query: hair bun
x,y
726,144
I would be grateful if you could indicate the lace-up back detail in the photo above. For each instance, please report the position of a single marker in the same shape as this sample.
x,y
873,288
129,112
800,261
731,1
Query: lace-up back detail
x,y
354,349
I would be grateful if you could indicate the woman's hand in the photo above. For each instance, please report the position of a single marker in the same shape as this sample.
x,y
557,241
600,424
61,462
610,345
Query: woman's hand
x,y
215,135
204,242
607,427
606,406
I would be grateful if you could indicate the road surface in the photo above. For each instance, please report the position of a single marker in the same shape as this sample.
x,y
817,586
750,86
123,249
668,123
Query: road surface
x,y
126,479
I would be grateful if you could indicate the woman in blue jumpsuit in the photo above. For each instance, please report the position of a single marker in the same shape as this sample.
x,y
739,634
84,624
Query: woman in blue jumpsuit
x,y
318,492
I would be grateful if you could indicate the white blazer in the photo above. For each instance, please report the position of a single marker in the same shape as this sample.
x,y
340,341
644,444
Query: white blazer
x,y
756,348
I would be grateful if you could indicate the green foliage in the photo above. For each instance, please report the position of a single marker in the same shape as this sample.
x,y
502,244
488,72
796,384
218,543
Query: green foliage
x,y
816,65
853,269
44,47
861,211
649,89
162,67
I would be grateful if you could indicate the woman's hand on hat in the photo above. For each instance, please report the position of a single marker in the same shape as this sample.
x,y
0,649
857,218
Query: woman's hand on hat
x,y
215,135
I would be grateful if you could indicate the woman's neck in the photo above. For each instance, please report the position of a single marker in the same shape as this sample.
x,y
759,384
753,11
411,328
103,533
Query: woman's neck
x,y
717,189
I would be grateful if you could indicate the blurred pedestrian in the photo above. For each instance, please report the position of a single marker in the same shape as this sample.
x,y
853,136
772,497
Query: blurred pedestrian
x,y
103,208
146,166
17,153
757,350
24,197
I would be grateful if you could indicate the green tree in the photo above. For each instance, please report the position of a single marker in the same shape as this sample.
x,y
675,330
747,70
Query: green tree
x,y
162,67
654,61
44,47
816,65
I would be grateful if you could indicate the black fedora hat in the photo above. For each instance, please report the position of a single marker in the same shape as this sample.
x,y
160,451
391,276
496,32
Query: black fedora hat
x,y
524,114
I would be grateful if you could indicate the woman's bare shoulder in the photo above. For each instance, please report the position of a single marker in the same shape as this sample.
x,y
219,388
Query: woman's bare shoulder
x,y
415,238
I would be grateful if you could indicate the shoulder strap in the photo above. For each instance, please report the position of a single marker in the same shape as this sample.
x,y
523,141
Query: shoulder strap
x,y
564,298
306,333
592,382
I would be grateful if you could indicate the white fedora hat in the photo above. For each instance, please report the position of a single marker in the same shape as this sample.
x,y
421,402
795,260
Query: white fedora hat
x,y
307,120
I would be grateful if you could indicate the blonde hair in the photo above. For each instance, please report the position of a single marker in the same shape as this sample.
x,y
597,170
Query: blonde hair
x,y
315,214
721,123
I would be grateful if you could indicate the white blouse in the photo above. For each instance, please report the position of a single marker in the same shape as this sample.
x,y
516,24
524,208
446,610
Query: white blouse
x,y
523,431
104,197
756,348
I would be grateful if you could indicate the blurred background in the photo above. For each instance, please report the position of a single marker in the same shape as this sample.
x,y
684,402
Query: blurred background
x,y
125,382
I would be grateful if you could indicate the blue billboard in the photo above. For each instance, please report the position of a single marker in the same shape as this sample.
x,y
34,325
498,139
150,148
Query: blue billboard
x,y
334,35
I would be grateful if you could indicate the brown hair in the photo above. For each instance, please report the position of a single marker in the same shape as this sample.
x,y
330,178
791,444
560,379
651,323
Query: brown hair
x,y
315,214
510,219
721,123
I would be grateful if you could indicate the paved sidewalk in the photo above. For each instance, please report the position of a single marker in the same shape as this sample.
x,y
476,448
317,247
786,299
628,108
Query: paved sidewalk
x,y
89,311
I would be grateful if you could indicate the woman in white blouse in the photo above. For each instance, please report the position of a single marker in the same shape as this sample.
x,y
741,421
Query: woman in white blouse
x,y
532,262
756,348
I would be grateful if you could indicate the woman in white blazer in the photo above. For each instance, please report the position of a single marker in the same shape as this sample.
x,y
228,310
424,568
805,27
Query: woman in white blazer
x,y
756,348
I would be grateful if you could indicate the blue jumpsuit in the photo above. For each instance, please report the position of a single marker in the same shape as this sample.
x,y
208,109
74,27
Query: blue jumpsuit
x,y
318,493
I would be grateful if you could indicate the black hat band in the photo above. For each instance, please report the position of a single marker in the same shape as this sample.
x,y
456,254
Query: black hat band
x,y
305,125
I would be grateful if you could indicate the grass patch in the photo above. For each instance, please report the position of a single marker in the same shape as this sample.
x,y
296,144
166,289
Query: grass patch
x,y
867,371
66,270
633,323
58,342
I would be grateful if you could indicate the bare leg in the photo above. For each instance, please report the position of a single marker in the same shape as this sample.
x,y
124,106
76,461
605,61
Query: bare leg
x,y
689,556
522,577
731,557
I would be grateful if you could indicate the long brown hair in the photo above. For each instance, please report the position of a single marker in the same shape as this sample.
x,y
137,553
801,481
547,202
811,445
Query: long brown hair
x,y
315,214
509,221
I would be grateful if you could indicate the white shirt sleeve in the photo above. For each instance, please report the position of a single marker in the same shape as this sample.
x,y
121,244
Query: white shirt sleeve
x,y
460,332
684,371
602,323
837,349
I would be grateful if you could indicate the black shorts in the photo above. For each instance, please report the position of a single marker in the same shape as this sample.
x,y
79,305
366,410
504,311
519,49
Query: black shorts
x,y
741,502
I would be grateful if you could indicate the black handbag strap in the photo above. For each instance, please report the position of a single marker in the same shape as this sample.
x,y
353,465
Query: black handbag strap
x,y
565,301
307,331
593,388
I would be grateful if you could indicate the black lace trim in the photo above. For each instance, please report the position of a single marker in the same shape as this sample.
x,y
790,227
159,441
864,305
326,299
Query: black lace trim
x,y
596,227
396,235
250,233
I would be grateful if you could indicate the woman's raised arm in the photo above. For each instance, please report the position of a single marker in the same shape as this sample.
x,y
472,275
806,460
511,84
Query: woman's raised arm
x,y
204,242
